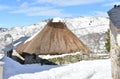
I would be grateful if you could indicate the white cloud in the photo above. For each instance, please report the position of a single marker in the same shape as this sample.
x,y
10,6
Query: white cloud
x,y
31,9
100,13
18,0
4,7
24,4
50,12
69,2
25,8
112,3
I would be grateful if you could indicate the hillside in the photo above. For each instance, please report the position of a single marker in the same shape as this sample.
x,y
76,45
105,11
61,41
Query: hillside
x,y
87,28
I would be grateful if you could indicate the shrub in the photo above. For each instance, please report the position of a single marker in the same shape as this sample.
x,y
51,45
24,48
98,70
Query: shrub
x,y
107,44
66,59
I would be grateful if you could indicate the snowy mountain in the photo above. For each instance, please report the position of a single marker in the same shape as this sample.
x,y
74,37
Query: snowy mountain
x,y
3,29
95,27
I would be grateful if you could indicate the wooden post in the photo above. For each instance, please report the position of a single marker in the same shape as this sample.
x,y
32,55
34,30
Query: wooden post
x,y
1,70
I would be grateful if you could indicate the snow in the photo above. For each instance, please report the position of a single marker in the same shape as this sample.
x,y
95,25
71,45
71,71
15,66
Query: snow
x,y
57,19
96,69
55,56
85,25
1,55
31,37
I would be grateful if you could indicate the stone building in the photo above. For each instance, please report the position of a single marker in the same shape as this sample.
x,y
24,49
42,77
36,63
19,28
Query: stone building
x,y
114,15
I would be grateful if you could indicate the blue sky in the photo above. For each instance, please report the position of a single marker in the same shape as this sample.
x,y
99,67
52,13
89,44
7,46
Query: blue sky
x,y
25,12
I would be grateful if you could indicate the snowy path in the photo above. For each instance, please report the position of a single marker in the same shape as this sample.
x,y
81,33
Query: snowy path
x,y
97,69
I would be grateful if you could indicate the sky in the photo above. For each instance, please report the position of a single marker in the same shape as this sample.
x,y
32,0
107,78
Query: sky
x,y
25,12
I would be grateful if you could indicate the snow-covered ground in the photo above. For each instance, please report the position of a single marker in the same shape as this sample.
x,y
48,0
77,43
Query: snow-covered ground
x,y
96,69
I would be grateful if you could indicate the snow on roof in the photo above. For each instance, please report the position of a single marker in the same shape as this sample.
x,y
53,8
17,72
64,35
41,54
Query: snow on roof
x,y
55,56
29,39
57,19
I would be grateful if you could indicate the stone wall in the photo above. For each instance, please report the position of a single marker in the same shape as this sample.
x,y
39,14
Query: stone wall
x,y
115,51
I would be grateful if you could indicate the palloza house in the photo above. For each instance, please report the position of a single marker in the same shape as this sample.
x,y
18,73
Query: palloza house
x,y
54,39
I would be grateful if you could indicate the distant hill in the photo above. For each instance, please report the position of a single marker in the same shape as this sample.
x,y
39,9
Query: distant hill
x,y
3,29
87,28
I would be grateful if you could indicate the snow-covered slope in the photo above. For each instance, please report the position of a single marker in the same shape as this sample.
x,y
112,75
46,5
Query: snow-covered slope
x,y
97,69
3,29
86,25
81,26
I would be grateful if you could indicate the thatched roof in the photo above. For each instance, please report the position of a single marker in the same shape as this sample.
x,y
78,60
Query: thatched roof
x,y
55,38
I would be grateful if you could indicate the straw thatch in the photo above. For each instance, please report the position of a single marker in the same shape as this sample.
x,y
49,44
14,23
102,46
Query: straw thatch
x,y
55,38
21,47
